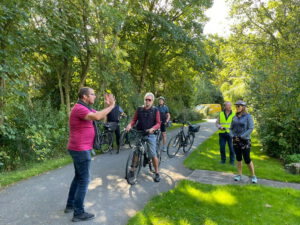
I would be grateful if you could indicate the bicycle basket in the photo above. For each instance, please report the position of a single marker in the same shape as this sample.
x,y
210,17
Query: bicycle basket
x,y
111,126
194,128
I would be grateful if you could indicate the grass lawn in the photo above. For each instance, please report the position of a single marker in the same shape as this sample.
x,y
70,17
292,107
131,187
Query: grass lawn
x,y
177,125
207,157
194,203
32,169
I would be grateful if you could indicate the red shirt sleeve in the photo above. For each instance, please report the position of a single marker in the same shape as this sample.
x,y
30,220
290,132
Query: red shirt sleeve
x,y
82,111
135,118
157,125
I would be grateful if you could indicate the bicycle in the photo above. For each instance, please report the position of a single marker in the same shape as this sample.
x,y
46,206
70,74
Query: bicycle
x,y
138,158
127,137
106,135
182,140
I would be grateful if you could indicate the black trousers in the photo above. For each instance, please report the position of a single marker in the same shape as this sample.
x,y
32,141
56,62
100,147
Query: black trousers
x,y
118,135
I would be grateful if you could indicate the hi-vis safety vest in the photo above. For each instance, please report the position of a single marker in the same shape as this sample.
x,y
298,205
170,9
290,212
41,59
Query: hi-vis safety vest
x,y
225,123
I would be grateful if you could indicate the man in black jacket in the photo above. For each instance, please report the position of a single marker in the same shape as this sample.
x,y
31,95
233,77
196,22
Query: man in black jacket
x,y
114,117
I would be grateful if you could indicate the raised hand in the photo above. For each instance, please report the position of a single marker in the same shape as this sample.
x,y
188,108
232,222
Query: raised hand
x,y
109,99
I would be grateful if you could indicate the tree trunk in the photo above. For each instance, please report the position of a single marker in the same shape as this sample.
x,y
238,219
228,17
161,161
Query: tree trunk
x,y
144,71
61,91
67,85
85,63
2,101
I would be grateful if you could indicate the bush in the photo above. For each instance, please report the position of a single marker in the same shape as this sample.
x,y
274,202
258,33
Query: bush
x,y
189,115
279,135
294,158
32,134
275,100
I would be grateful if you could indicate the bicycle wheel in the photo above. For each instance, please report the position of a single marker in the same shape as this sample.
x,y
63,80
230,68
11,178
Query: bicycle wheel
x,y
159,141
107,142
131,138
123,138
173,146
133,166
188,143
159,156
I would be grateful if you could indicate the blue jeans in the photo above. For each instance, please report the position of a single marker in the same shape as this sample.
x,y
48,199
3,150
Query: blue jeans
x,y
79,185
223,138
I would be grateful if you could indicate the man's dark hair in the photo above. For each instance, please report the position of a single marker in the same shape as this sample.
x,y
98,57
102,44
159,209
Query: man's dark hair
x,y
83,91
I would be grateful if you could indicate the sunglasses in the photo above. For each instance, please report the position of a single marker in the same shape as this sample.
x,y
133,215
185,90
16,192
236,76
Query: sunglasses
x,y
238,106
148,100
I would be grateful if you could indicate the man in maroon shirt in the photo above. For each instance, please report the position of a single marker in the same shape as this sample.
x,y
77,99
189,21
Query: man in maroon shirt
x,y
80,144
148,118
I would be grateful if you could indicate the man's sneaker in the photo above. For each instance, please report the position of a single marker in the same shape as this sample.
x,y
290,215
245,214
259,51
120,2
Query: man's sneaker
x,y
156,178
222,162
69,209
83,217
237,177
164,149
232,163
254,180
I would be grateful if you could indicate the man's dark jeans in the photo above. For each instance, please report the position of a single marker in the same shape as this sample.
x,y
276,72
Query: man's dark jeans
x,y
79,185
223,138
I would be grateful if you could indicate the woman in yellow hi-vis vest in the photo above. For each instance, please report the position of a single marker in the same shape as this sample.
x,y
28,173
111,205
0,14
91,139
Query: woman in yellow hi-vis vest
x,y
223,124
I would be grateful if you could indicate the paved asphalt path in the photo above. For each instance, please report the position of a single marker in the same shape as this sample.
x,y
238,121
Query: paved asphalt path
x,y
41,199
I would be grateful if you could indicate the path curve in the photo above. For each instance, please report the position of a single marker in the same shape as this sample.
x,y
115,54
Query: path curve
x,y
41,199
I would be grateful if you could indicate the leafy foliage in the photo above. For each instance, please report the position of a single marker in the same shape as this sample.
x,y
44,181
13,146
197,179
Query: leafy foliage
x,y
261,65
33,133
49,49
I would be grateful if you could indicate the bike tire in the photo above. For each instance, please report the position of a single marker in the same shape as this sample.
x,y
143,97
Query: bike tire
x,y
173,146
189,143
159,156
132,178
131,138
107,142
158,149
123,140
159,141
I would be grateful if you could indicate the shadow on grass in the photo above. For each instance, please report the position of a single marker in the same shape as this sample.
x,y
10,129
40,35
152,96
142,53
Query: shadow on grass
x,y
207,157
195,203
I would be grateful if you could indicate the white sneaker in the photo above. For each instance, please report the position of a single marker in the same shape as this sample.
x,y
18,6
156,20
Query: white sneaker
x,y
237,177
164,149
254,180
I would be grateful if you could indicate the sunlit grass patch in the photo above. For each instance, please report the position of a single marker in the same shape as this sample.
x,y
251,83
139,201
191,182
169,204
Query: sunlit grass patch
x,y
207,157
192,203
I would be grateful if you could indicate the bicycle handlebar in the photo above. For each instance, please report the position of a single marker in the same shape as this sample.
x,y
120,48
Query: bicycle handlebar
x,y
186,122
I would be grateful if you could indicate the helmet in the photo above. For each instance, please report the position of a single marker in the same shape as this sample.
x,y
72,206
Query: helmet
x,y
161,97
240,102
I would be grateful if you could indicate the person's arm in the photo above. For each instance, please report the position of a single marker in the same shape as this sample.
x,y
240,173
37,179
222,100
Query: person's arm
x,y
250,125
122,113
168,117
133,121
158,123
218,125
98,115
121,110
231,133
